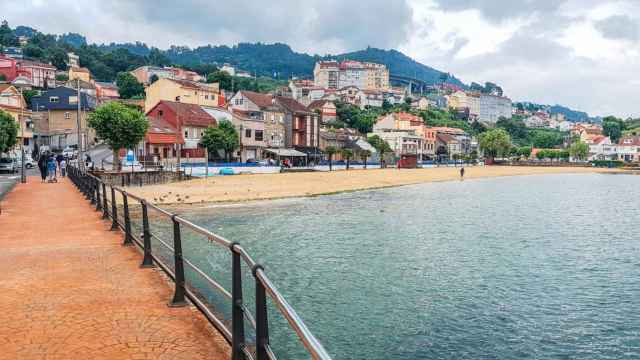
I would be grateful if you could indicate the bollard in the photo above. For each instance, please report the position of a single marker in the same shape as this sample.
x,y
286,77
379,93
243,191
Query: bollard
x,y
105,207
262,322
178,296
237,312
128,241
147,261
114,210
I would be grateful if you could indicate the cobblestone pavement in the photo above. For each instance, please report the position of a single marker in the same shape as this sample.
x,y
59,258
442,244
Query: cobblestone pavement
x,y
69,290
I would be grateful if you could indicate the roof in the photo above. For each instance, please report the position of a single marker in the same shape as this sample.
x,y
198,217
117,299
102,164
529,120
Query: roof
x,y
161,132
4,87
630,141
107,85
189,114
261,100
292,105
318,104
80,69
192,85
286,152
29,63
448,130
43,102
598,139
446,138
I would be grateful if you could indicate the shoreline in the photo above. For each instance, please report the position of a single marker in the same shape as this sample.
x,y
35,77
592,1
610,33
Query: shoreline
x,y
263,187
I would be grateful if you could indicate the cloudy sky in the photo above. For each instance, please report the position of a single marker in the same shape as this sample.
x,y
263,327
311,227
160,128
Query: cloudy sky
x,y
581,53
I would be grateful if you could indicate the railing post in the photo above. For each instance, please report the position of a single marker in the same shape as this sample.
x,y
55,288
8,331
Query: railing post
x,y
147,261
92,190
237,311
127,221
178,296
105,207
114,210
98,199
262,321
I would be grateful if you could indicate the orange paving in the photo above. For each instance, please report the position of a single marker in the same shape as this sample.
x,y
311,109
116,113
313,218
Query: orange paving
x,y
69,290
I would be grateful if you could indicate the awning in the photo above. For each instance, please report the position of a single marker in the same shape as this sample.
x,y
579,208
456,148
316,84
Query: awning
x,y
286,152
161,138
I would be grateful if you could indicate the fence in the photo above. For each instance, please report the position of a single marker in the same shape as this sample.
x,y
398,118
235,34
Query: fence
x,y
103,196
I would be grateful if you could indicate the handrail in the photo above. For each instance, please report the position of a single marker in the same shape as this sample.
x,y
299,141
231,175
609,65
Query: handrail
x,y
93,188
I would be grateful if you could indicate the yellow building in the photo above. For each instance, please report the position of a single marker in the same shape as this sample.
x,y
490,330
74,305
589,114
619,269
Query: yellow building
x,y
12,103
79,73
182,91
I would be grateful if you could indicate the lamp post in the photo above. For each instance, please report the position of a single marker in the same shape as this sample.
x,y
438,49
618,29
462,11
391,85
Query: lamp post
x,y
20,84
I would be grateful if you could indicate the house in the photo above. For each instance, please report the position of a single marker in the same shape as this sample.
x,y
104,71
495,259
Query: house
x,y
536,122
372,98
351,95
403,143
629,148
272,115
12,102
73,60
363,75
344,138
405,121
437,101
326,109
447,146
251,129
302,128
106,91
466,100
61,106
187,121
601,148
38,74
13,52
183,91
144,73
586,132
494,107
421,104
79,73
467,144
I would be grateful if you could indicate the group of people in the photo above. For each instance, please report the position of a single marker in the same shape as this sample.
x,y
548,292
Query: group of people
x,y
50,165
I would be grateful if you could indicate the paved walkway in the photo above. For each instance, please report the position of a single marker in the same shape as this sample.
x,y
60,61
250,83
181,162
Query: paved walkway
x,y
69,290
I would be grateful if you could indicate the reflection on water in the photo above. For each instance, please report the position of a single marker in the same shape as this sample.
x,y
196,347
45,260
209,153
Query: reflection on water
x,y
523,267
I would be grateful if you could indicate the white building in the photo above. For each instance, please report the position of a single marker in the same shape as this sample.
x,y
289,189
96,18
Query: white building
x,y
601,148
228,69
493,107
402,142
536,122
363,75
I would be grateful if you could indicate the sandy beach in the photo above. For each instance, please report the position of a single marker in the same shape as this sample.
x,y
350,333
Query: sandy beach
x,y
274,186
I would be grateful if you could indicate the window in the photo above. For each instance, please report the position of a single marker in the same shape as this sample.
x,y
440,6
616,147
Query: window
x,y
259,135
238,101
160,112
206,97
54,99
186,133
67,115
247,133
73,99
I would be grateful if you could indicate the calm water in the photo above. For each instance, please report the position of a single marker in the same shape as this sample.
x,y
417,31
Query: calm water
x,y
539,267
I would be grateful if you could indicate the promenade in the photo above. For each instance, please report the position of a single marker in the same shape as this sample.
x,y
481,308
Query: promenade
x,y
70,290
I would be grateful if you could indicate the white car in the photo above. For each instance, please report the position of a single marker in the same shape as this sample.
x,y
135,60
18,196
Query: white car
x,y
28,162
70,152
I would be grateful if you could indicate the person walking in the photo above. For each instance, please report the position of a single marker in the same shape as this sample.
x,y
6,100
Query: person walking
x,y
63,167
42,166
51,166
462,173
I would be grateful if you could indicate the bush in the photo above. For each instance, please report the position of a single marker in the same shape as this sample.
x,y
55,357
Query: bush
x,y
608,163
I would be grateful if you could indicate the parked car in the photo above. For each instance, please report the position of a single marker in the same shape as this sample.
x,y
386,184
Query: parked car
x,y
28,162
8,165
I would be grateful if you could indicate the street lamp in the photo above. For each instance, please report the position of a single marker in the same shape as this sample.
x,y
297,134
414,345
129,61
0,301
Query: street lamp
x,y
20,83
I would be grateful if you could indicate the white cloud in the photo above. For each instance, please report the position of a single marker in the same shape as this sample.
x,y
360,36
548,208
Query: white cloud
x,y
580,53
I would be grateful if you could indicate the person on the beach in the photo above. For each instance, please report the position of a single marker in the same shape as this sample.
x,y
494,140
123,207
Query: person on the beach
x,y
462,173
42,166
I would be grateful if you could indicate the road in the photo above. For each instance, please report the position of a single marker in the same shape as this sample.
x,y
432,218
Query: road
x,y
101,155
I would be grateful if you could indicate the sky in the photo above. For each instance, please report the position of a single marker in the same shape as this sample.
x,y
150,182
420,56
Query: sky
x,y
584,54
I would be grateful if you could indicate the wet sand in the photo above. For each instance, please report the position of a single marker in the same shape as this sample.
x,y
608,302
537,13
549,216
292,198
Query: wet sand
x,y
240,188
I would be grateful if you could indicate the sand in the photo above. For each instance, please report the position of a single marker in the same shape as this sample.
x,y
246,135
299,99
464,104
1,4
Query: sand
x,y
240,188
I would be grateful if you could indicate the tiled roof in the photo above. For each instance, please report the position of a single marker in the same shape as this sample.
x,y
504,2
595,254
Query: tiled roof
x,y
261,100
317,104
446,138
192,85
630,141
292,105
4,87
29,63
190,114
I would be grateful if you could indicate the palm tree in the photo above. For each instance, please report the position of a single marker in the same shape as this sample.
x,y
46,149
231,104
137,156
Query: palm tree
x,y
364,154
331,150
347,154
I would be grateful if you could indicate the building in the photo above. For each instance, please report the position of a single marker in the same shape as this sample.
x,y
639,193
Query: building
x,y
363,75
326,109
144,73
302,128
251,128
38,74
601,148
447,146
493,107
272,114
629,148
183,91
13,52
586,132
79,73
402,142
61,107
406,122
184,124
73,60
228,69
466,143
460,100
106,91
421,104
12,102
536,122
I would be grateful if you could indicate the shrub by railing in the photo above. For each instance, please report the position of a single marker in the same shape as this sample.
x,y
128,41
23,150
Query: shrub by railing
x,y
103,196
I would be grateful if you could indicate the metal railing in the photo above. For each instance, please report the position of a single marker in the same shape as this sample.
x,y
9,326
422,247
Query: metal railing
x,y
105,199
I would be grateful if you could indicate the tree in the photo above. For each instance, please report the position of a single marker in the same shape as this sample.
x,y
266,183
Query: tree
x,y
224,138
347,154
545,139
153,78
523,151
62,77
381,146
495,143
8,132
223,78
612,127
119,126
129,86
330,151
364,155
579,150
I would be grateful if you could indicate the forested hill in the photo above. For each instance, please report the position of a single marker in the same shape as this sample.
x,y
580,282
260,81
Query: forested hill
x,y
279,60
